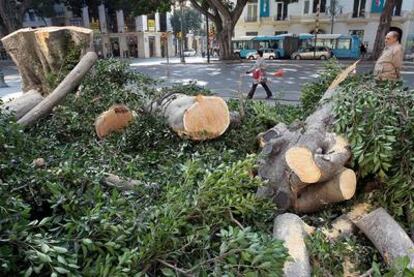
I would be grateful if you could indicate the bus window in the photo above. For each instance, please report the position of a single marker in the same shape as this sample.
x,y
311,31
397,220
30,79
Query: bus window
x,y
344,43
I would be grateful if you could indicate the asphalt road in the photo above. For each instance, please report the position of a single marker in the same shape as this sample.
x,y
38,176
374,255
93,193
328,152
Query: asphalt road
x,y
223,79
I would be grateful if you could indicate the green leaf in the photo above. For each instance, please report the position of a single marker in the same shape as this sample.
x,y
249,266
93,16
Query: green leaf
x,y
61,270
60,250
28,272
43,257
167,272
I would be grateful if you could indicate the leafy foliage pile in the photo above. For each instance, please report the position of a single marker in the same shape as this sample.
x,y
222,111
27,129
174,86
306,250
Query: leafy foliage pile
x,y
378,119
195,212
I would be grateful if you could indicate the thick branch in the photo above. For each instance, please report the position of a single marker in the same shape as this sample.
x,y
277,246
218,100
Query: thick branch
x,y
238,10
203,10
221,8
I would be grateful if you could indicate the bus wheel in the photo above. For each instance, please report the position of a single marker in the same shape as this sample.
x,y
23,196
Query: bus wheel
x,y
323,57
297,57
251,58
271,58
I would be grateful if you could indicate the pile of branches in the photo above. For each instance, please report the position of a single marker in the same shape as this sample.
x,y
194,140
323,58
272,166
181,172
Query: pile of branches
x,y
185,208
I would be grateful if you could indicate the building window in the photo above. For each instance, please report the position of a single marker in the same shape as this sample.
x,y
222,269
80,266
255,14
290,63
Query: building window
x,y
306,7
252,33
397,9
322,8
280,33
359,8
251,12
280,11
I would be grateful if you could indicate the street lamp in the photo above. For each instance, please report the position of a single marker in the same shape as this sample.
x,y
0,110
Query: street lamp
x,y
182,33
334,10
318,11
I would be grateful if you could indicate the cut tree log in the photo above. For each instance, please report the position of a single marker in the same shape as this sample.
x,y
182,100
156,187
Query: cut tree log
x,y
40,53
71,81
114,119
291,229
195,117
302,155
340,188
387,236
23,104
343,226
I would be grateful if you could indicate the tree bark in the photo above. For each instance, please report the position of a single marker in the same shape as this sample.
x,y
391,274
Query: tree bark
x,y
225,20
23,104
12,14
299,156
195,117
41,53
383,28
71,81
290,229
387,236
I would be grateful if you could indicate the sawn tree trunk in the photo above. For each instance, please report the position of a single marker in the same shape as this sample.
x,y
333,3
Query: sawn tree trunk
x,y
304,165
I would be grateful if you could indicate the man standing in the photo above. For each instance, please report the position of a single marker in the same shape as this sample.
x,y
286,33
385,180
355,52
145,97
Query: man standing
x,y
388,66
259,76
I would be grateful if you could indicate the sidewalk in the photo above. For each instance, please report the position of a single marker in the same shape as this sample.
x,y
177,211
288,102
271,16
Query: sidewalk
x,y
12,79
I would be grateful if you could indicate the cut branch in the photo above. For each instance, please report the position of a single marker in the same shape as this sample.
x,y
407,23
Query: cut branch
x,y
387,236
290,229
68,84
23,104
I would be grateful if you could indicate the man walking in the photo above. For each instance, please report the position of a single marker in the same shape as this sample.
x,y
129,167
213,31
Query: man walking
x,y
259,76
388,66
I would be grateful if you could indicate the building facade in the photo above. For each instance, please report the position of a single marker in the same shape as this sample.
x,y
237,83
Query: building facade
x,y
360,17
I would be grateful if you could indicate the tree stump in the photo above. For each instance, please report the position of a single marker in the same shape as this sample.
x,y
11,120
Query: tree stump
x,y
198,117
39,53
304,164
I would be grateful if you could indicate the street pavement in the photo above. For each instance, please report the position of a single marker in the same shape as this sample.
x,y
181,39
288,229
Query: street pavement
x,y
223,79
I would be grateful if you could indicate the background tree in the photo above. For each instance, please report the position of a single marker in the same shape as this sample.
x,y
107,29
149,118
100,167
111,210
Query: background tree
x,y
12,12
383,27
225,15
191,21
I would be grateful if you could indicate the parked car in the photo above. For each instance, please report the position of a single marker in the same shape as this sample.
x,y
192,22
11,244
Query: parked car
x,y
309,53
268,53
189,53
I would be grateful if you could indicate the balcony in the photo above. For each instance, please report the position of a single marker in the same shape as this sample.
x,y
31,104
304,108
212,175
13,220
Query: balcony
x,y
250,18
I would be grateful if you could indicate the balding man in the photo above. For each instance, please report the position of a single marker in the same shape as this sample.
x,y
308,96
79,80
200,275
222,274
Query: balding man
x,y
388,66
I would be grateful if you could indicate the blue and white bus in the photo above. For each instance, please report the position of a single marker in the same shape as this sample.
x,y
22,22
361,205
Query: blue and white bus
x,y
342,46
283,45
243,45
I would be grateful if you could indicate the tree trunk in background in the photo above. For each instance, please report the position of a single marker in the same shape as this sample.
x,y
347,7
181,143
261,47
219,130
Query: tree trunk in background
x,y
226,49
383,28
225,19
12,14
